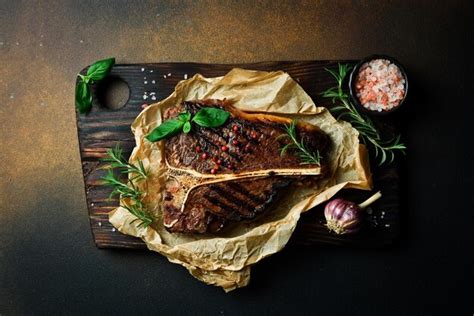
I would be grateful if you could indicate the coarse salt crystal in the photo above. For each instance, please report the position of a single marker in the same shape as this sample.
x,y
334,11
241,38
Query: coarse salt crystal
x,y
145,97
151,71
185,76
153,81
143,69
100,224
169,74
153,97
380,85
164,76
387,225
145,82
113,229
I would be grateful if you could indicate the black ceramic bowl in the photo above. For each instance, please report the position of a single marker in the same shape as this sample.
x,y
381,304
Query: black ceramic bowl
x,y
352,80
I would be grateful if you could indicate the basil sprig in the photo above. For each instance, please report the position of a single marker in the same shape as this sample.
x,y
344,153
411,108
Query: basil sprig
x,y
206,117
97,71
210,117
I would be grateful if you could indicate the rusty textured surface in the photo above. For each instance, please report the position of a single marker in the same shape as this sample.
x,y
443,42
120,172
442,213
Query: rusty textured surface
x,y
48,262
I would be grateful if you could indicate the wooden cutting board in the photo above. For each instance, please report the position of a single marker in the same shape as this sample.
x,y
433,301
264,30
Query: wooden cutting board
x,y
104,127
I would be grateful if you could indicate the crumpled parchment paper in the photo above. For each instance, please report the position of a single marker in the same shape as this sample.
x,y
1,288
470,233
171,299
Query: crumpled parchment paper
x,y
225,259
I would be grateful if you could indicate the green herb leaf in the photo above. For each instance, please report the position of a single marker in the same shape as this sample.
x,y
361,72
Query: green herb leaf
x,y
184,117
187,127
306,156
211,117
206,117
83,97
166,129
100,69
128,190
117,161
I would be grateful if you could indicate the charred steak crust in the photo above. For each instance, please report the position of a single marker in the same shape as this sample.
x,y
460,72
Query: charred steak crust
x,y
212,206
253,143
246,142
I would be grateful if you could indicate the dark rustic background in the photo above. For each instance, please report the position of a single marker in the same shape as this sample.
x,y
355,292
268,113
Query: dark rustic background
x,y
48,261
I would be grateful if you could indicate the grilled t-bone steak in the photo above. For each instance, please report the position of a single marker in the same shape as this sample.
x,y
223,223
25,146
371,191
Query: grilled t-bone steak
x,y
233,172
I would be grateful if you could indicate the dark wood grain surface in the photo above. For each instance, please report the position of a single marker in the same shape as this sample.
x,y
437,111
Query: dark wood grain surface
x,y
103,128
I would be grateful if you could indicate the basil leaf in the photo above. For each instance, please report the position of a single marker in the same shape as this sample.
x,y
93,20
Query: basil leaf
x,y
83,97
187,127
166,129
211,117
184,117
100,69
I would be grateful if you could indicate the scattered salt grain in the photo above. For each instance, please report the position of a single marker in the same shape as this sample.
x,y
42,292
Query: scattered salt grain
x,y
387,225
151,71
17,43
143,69
41,44
185,76
153,81
145,97
81,41
12,96
145,82
113,229
169,74
100,224
152,93
153,97
164,76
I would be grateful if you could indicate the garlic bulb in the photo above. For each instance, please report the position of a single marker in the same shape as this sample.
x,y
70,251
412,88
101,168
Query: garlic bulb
x,y
345,217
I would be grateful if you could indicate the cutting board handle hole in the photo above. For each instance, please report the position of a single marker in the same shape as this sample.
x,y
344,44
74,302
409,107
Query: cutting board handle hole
x,y
113,93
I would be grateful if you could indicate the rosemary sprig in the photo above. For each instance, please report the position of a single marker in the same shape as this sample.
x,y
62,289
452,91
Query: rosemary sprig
x,y
306,156
129,189
116,160
368,132
120,188
140,212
